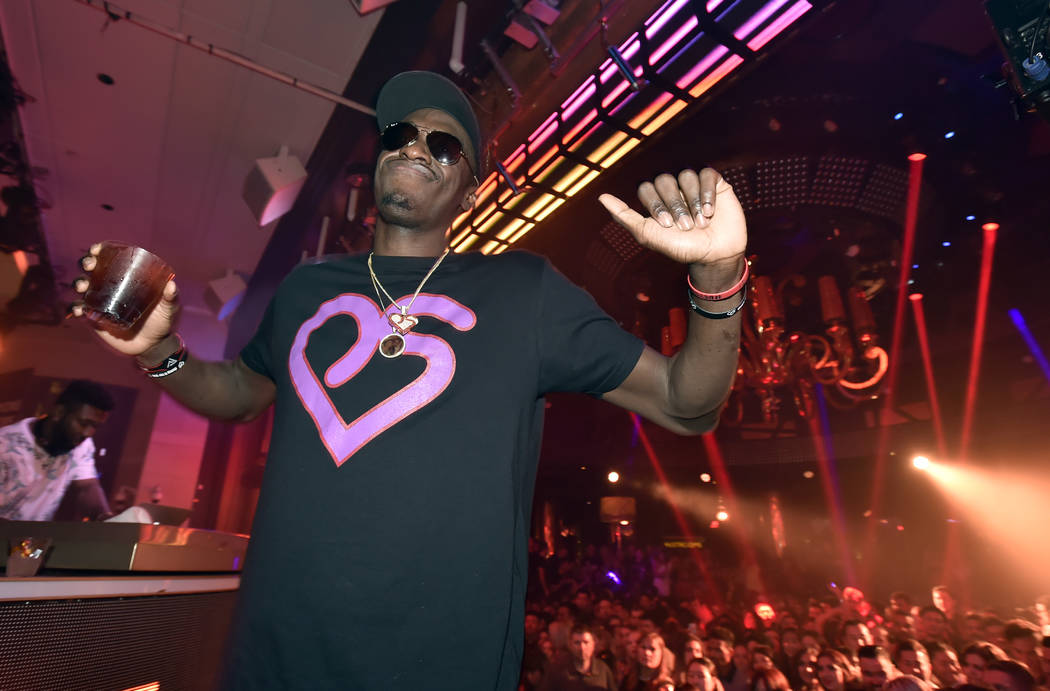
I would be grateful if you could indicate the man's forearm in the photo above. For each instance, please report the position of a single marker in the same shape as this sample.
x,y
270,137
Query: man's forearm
x,y
701,373
217,390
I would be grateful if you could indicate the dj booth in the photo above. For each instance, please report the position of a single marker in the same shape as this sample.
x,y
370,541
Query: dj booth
x,y
115,606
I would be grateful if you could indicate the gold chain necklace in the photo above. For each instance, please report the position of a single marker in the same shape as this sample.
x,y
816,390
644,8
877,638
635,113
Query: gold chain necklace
x,y
401,322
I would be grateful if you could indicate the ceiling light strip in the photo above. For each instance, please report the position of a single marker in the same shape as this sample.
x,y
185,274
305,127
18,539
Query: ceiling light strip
x,y
674,40
759,18
671,11
779,24
588,152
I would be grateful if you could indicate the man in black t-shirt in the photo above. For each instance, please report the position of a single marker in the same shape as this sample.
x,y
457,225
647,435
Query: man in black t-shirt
x,y
389,546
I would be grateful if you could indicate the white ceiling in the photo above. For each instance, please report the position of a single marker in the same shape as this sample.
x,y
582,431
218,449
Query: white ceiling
x,y
170,143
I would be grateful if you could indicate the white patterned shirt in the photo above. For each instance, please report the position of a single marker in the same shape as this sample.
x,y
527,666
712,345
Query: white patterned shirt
x,y
32,481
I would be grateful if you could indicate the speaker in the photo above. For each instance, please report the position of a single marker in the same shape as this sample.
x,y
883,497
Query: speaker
x,y
272,186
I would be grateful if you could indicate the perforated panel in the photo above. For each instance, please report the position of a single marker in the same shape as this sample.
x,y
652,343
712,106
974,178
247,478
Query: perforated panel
x,y
111,644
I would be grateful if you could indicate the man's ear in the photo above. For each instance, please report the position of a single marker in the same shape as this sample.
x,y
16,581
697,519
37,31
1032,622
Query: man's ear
x,y
468,199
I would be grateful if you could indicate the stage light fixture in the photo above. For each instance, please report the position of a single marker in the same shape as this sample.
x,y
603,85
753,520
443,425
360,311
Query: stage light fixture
x,y
705,477
722,515
949,134
614,476
921,462
898,116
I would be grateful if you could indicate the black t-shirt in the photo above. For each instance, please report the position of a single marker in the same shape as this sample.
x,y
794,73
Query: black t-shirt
x,y
389,547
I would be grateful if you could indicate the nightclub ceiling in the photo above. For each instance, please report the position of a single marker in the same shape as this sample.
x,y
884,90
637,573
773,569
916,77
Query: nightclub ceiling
x,y
809,107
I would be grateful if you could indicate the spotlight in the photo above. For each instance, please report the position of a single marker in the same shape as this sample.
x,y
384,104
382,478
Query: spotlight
x,y
921,462
614,476
808,474
970,217
898,116
625,522
991,225
916,156
722,515
946,243
705,477
611,575
949,134
715,524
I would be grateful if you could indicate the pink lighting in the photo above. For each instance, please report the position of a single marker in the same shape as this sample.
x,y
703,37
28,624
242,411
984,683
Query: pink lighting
x,y
548,128
627,53
675,38
759,18
620,88
910,218
987,255
669,35
716,75
927,363
580,125
676,5
702,67
582,95
779,24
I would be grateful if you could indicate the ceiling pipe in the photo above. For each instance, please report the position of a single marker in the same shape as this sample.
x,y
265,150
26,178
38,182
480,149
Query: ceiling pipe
x,y
118,13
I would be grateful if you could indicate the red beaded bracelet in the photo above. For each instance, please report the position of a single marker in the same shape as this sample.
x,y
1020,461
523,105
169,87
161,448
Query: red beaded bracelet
x,y
724,294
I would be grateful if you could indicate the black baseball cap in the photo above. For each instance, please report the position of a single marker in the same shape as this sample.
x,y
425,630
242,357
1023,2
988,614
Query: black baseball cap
x,y
410,91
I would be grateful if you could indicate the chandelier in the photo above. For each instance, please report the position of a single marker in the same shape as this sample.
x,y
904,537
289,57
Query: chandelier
x,y
777,364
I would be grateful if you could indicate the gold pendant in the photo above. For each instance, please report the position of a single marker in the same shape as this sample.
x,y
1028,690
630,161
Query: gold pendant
x,y
392,345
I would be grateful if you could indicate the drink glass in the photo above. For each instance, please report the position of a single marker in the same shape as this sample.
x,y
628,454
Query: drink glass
x,y
125,285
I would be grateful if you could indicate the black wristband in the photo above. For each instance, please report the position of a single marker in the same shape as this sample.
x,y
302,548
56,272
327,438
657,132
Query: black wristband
x,y
717,315
169,365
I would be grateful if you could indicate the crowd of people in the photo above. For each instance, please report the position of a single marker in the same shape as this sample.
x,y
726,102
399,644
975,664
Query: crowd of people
x,y
615,620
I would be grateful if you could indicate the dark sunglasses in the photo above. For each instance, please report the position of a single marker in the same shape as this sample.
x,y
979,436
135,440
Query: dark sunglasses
x,y
444,147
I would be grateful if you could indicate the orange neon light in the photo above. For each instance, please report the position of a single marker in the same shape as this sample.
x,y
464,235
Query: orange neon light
x,y
572,177
510,229
487,188
459,220
554,166
610,144
515,159
462,235
549,210
521,233
465,245
716,75
540,203
584,137
484,227
650,110
662,119
543,160
621,152
583,183
579,126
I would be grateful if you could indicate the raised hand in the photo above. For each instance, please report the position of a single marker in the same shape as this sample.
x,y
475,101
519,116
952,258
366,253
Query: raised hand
x,y
693,219
154,327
